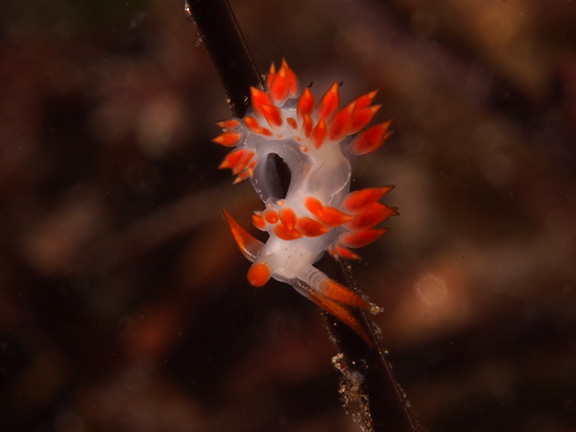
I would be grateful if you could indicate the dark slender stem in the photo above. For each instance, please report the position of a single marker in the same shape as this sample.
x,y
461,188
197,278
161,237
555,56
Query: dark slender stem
x,y
377,401
386,404
387,401
221,34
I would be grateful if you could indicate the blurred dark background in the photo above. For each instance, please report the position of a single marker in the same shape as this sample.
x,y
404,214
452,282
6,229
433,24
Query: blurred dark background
x,y
123,299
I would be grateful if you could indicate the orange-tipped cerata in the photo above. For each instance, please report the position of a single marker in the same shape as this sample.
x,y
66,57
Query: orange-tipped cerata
x,y
329,102
360,199
227,139
371,139
305,104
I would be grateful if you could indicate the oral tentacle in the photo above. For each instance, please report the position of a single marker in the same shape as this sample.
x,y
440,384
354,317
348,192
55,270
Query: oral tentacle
x,y
248,245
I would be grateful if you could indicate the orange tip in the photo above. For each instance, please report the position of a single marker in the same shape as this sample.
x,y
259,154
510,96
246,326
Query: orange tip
x,y
329,102
360,239
259,274
371,139
310,228
227,139
305,104
360,199
333,217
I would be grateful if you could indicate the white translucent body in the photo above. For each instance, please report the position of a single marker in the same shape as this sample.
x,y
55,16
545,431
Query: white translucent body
x,y
322,173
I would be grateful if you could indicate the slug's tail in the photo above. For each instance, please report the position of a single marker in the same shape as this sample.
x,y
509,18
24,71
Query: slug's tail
x,y
334,298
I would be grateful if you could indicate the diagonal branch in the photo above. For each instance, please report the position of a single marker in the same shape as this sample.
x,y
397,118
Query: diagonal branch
x,y
221,34
369,390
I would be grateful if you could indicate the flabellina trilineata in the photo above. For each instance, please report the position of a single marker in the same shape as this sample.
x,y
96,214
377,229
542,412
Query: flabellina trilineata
x,y
318,212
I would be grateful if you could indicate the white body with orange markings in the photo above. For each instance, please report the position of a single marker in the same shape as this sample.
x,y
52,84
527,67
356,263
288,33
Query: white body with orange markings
x,y
318,213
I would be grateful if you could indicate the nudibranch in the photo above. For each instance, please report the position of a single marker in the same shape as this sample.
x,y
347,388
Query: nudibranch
x,y
317,212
